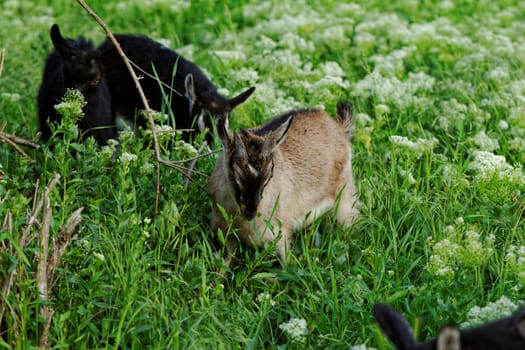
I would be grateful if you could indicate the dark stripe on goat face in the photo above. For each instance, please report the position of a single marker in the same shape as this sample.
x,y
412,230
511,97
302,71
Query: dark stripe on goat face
x,y
249,183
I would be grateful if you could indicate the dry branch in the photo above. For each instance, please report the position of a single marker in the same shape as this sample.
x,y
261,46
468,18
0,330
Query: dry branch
x,y
19,140
148,110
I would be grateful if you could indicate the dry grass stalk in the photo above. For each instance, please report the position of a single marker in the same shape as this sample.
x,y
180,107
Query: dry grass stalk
x,y
2,56
61,242
43,288
47,266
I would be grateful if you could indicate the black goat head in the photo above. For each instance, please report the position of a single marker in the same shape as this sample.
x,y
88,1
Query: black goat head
x,y
207,104
80,67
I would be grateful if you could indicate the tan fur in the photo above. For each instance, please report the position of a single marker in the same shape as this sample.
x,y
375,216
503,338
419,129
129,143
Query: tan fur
x,y
449,338
312,167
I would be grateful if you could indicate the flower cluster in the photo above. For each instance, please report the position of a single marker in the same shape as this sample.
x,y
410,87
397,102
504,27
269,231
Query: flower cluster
x,y
71,105
413,148
461,247
494,178
265,298
499,309
296,329
515,262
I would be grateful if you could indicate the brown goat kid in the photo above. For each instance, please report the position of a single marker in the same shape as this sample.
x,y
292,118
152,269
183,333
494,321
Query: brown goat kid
x,y
277,178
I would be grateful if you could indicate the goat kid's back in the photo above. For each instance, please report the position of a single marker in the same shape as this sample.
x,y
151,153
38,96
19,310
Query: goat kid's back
x,y
288,171
185,89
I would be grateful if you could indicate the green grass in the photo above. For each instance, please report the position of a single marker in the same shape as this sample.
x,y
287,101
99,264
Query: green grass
x,y
436,235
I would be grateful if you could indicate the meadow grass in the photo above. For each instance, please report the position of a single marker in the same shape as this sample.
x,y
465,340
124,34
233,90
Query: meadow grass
x,y
438,91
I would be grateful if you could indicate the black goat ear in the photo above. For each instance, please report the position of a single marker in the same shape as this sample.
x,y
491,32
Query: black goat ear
x,y
189,89
59,42
240,98
395,327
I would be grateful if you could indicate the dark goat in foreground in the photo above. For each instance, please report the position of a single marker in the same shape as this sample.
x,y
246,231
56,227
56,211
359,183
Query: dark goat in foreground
x,y
75,64
507,333
192,96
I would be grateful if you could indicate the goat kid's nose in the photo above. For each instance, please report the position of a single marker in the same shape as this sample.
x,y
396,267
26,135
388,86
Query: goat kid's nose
x,y
248,213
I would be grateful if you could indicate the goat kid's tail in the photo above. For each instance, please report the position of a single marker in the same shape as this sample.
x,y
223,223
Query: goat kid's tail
x,y
346,115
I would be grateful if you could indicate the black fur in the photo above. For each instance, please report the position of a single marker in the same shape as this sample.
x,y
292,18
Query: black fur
x,y
506,333
192,95
75,64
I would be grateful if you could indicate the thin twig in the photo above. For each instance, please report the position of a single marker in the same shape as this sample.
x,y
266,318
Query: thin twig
x,y
2,56
192,164
15,146
19,140
197,157
143,98
154,77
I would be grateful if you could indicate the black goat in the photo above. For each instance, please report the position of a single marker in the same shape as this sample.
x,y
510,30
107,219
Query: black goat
x,y
190,94
75,64
505,334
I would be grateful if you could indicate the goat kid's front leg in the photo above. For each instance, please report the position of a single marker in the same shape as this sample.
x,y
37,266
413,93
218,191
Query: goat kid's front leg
x,y
282,245
346,208
231,247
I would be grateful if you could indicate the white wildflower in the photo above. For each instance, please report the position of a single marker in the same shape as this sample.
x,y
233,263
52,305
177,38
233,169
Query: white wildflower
x,y
485,142
13,97
363,119
381,109
503,125
416,148
487,165
230,55
99,256
164,42
459,221
247,75
332,68
408,175
296,328
361,347
147,168
127,158
503,307
265,297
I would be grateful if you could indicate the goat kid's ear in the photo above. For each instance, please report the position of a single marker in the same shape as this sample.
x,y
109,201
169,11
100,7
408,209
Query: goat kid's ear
x,y
59,42
448,338
395,327
277,136
189,89
240,98
222,126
